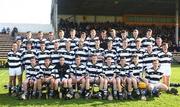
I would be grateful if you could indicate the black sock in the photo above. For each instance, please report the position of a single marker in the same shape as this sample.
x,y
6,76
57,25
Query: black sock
x,y
10,89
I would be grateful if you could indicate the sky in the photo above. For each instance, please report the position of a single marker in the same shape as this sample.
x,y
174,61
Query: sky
x,y
25,11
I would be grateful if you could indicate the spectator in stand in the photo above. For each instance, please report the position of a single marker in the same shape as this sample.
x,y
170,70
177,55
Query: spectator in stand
x,y
8,30
14,32
3,31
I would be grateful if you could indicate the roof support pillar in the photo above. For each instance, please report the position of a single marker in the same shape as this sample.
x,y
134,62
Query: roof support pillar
x,y
177,22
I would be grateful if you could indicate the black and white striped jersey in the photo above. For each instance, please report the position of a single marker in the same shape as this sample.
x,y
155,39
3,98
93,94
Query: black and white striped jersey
x,y
121,42
112,53
165,57
55,55
115,42
42,55
148,59
21,49
132,42
27,55
124,53
157,49
122,70
91,42
139,52
94,69
136,69
98,52
25,41
50,44
147,41
46,71
74,42
62,43
86,43
109,70
37,43
78,70
32,72
14,59
83,53
154,75
69,56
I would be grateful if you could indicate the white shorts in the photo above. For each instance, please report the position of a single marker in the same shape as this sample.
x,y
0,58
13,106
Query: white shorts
x,y
94,79
15,71
157,85
166,69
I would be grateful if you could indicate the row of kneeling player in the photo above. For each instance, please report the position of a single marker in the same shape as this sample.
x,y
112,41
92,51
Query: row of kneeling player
x,y
106,81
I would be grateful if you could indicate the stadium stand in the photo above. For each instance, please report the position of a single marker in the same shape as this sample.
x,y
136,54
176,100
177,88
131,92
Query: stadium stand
x,y
5,45
6,41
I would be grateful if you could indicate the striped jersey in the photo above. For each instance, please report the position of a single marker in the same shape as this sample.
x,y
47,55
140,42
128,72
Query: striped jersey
x,y
46,71
62,43
42,55
32,73
85,43
55,55
154,75
21,49
147,41
74,42
25,41
121,42
78,70
157,49
136,69
125,53
148,59
14,59
109,70
111,53
165,58
91,42
83,53
115,42
139,52
98,52
69,56
94,69
132,42
27,55
50,44
122,70
37,43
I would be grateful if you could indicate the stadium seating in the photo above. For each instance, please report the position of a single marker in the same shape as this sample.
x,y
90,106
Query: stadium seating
x,y
176,57
6,41
5,45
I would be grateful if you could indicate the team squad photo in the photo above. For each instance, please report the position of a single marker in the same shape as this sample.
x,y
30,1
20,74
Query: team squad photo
x,y
89,53
90,66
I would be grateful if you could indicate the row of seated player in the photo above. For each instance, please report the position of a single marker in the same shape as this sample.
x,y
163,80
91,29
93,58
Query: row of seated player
x,y
112,83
